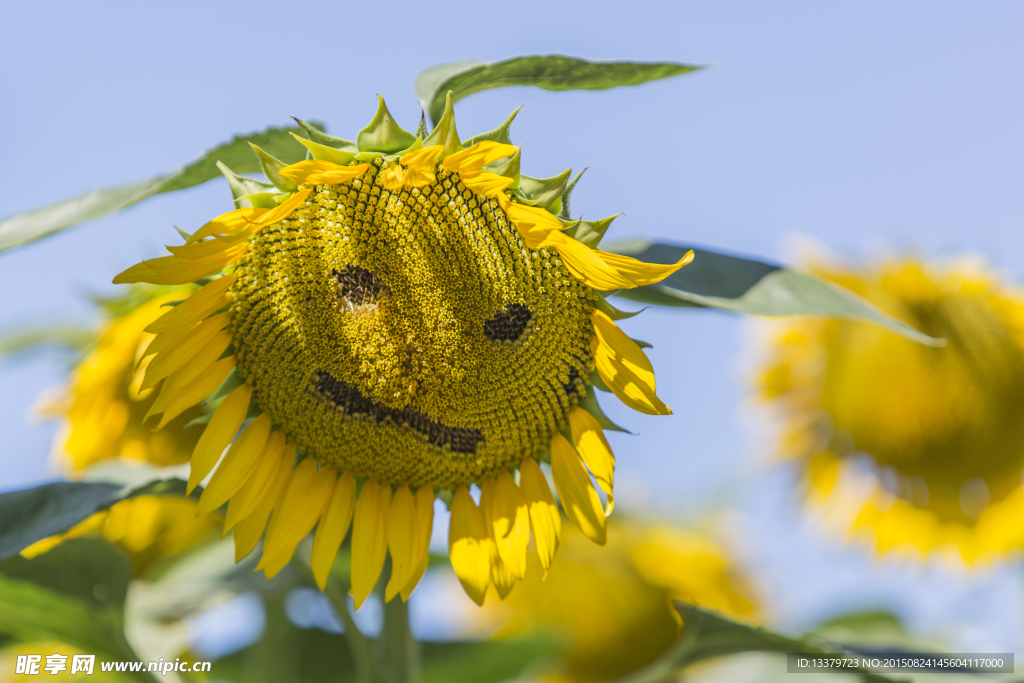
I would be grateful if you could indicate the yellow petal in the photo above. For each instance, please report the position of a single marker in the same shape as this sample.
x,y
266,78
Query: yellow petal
x,y
486,183
218,434
249,530
320,172
187,349
333,526
237,466
479,155
227,223
369,539
511,524
579,499
260,484
423,160
468,546
622,365
501,577
401,533
198,389
172,270
210,298
545,520
191,370
640,273
295,517
424,526
538,227
594,449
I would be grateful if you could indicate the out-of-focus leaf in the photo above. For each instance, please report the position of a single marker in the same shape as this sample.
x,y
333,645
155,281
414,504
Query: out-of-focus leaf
x,y
33,514
26,227
488,661
74,594
36,340
716,280
707,635
550,72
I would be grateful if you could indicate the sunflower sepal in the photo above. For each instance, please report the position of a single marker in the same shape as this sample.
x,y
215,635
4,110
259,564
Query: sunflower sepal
x,y
509,168
242,186
317,135
613,312
564,213
259,200
589,403
589,233
544,192
444,132
326,153
383,134
499,134
272,170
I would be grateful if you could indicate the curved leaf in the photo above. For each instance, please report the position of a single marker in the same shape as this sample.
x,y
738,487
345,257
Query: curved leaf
x,y
716,280
29,226
551,72
33,514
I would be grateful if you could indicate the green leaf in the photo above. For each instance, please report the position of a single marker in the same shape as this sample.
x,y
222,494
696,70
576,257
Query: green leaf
x,y
27,227
707,634
716,280
485,661
550,72
34,340
33,514
73,594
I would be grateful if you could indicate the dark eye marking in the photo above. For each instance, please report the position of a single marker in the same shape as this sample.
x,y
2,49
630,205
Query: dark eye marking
x,y
357,286
346,400
509,324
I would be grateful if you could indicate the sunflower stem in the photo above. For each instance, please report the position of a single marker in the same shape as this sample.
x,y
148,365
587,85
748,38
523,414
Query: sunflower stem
x,y
358,643
399,653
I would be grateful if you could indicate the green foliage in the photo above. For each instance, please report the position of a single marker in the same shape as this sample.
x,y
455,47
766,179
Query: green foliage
x,y
73,594
33,514
27,227
717,280
550,72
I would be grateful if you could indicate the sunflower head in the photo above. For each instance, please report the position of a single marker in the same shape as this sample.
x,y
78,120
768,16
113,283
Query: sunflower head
x,y
404,313
940,427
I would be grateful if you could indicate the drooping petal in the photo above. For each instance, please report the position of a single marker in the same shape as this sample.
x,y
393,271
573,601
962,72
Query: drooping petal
x,y
227,223
468,546
320,172
218,434
622,365
424,526
501,576
260,483
640,273
208,299
511,524
401,532
369,539
479,155
198,365
171,270
333,526
294,519
249,530
579,499
594,449
545,520
238,465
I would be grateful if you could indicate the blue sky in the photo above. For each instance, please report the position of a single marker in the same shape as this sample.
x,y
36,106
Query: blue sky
x,y
865,126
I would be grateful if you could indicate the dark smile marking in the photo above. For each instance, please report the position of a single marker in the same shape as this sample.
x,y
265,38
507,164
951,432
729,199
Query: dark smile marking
x,y
346,399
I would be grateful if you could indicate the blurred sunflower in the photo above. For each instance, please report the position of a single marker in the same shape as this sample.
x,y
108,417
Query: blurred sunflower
x,y
921,447
391,321
612,609
102,410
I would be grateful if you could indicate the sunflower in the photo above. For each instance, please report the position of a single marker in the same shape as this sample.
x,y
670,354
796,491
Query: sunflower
x,y
392,321
102,411
921,447
612,610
